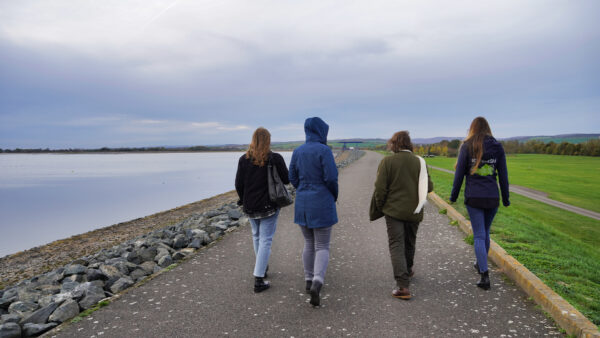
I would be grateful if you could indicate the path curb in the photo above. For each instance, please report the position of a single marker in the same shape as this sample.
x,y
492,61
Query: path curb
x,y
569,318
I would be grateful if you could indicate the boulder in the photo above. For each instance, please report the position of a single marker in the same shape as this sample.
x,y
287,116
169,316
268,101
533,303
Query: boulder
x,y
5,303
132,257
91,299
68,285
95,274
148,267
49,289
10,318
121,284
66,311
20,307
180,241
110,271
179,256
32,330
10,330
52,277
147,254
40,316
165,261
74,269
196,243
137,274
28,295
81,278
234,214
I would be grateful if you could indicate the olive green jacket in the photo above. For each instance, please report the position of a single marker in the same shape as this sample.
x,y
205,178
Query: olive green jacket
x,y
396,188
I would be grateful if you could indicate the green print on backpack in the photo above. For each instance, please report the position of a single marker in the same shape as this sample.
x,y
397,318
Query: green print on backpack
x,y
485,170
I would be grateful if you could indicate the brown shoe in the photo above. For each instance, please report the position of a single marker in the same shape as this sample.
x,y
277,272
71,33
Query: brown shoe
x,y
401,293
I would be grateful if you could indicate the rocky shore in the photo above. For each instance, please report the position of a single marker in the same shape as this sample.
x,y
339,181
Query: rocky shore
x,y
107,261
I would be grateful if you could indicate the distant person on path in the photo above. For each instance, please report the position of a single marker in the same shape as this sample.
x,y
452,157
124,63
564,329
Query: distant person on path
x,y
480,159
400,194
251,186
314,175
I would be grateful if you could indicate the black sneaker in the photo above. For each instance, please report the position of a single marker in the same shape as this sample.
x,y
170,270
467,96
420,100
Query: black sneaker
x,y
260,284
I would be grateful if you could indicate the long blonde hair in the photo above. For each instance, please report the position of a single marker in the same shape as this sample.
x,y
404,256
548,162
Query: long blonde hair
x,y
260,147
479,129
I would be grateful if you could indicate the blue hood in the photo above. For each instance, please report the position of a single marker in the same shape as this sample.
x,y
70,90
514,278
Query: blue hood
x,y
491,145
316,130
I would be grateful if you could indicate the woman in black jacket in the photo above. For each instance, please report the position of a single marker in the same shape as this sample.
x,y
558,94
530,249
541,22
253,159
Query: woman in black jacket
x,y
480,160
251,186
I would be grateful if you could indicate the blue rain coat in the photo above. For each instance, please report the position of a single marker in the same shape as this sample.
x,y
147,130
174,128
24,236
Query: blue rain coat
x,y
314,175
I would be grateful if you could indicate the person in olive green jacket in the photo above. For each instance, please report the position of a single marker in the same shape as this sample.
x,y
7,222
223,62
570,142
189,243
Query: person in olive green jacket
x,y
400,192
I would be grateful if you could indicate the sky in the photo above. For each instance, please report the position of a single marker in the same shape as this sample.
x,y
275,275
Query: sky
x,y
125,73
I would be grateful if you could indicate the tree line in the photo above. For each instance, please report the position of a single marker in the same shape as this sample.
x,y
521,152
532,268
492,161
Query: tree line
x,y
451,148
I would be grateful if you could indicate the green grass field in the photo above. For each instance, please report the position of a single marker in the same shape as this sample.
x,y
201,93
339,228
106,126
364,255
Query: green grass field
x,y
570,179
560,247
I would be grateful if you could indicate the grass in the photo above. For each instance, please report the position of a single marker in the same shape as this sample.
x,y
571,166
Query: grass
x,y
558,246
89,311
570,179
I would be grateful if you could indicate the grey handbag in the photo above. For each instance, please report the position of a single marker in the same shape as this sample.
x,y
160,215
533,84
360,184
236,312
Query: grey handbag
x,y
278,194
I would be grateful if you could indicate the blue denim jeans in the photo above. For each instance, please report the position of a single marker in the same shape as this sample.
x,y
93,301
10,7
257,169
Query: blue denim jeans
x,y
263,230
481,222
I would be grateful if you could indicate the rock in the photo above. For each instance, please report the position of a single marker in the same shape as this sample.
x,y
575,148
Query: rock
x,y
161,253
147,254
121,284
45,300
76,278
49,289
10,330
180,242
148,267
52,277
10,293
80,261
196,243
132,257
244,221
21,307
221,225
121,267
68,285
32,330
10,318
91,299
234,214
178,256
165,261
27,295
40,316
66,311
74,269
137,274
5,303
110,271
95,274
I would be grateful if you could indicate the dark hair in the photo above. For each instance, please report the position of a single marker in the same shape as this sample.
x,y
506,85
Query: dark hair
x,y
478,131
260,147
400,141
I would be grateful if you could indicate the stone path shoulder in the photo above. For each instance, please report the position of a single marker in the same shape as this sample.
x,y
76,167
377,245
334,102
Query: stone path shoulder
x,y
211,294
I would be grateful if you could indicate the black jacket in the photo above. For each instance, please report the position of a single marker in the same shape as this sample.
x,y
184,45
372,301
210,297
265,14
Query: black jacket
x,y
483,183
251,184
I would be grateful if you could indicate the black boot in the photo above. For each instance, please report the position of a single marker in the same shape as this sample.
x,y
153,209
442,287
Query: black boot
x,y
308,285
260,285
484,283
315,291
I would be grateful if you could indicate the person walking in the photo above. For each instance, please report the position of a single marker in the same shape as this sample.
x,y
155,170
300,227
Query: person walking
x,y
314,175
253,191
401,188
481,158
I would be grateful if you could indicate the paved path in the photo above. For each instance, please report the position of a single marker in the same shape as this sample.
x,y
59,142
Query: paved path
x,y
211,294
541,196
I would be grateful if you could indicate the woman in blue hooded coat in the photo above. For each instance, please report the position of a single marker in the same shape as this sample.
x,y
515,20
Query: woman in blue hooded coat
x,y
314,175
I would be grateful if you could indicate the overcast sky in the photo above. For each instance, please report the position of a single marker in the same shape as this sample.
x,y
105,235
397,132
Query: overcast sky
x,y
96,73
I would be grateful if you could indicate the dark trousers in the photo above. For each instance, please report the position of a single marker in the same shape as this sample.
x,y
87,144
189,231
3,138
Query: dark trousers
x,y
401,239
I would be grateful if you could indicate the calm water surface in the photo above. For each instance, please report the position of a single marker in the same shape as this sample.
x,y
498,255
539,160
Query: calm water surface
x,y
45,197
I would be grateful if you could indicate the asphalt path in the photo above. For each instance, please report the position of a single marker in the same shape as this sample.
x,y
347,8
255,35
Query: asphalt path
x,y
210,295
540,196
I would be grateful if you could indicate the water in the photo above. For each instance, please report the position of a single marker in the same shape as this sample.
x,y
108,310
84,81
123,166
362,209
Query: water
x,y
45,197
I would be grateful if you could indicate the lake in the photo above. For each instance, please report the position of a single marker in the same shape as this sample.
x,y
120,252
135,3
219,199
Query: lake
x,y
45,197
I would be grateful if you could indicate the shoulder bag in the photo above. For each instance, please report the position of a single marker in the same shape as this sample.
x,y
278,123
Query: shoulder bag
x,y
278,194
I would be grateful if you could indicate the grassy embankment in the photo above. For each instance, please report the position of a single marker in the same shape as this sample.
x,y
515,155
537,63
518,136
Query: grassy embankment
x,y
558,246
573,180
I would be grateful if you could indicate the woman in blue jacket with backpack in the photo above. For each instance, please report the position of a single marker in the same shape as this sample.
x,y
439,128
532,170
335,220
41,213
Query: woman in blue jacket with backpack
x,y
481,159
314,175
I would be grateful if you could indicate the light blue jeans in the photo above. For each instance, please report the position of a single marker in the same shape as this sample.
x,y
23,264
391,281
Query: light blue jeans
x,y
481,222
263,230
316,252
